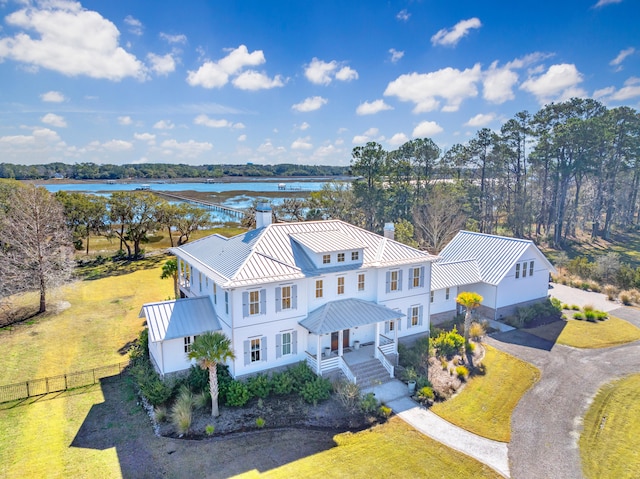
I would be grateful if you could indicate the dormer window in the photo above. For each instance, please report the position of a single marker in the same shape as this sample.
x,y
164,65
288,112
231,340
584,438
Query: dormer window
x,y
326,258
355,255
340,257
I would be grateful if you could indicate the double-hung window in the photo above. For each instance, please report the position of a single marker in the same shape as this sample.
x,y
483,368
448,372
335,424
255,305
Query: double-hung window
x,y
340,284
254,302
355,255
319,288
393,282
517,270
415,277
361,282
524,269
340,257
326,258
530,268
286,297
286,343
415,315
447,294
255,350
432,296
187,344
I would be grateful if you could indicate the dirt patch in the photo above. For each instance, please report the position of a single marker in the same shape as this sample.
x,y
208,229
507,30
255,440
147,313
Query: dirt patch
x,y
443,374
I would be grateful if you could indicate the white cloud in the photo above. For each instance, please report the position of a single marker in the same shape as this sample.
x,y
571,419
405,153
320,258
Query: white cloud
x,y
481,119
602,3
310,104
54,120
426,129
204,120
38,137
150,138
369,135
117,145
302,144
135,25
70,40
359,139
395,55
631,89
187,149
52,97
403,15
216,74
125,120
454,35
162,64
322,73
370,108
398,139
423,89
498,83
558,83
173,38
304,126
267,148
253,80
164,125
242,138
617,61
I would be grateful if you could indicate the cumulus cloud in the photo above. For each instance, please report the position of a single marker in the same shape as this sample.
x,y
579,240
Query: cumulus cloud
x,y
215,74
125,120
185,149
310,104
117,145
150,138
39,136
304,126
481,119
617,61
52,97
370,135
54,120
453,35
322,73
424,89
403,15
135,25
370,108
631,89
498,83
426,129
164,125
395,55
560,82
302,144
180,39
161,64
253,80
68,39
602,3
204,120
242,138
267,148
398,139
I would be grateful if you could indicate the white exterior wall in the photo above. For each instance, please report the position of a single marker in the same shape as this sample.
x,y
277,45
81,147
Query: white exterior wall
x,y
440,303
170,355
515,291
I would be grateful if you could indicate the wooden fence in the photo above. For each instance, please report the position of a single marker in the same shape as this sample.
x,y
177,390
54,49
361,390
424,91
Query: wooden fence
x,y
39,387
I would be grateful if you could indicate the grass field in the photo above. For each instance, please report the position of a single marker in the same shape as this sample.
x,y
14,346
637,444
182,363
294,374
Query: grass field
x,y
610,441
95,330
485,405
585,334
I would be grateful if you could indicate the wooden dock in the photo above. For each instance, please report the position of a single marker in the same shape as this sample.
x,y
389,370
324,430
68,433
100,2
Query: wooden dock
x,y
204,204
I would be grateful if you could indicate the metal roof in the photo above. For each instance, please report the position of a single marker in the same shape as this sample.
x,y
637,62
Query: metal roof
x,y
180,318
346,313
456,273
495,255
273,253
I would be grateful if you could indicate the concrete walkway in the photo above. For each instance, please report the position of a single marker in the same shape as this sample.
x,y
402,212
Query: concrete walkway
x,y
395,395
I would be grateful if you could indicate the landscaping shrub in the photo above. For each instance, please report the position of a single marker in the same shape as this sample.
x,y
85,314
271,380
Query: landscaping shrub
x,y
259,386
260,422
316,391
209,429
578,315
625,298
368,403
422,382
301,374
426,394
477,331
348,394
590,315
160,413
198,379
384,411
588,307
202,400
449,343
417,356
601,315
575,307
469,347
181,411
237,393
282,383
145,376
462,372
409,374
611,292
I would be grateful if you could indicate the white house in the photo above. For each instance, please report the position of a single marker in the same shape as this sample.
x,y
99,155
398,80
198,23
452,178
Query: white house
x,y
507,272
315,291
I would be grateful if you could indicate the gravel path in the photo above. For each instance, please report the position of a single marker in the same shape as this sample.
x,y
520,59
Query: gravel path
x,y
546,424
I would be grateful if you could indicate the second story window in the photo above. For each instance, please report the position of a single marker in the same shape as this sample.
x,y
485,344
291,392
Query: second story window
x,y
254,302
355,255
417,277
394,283
432,296
326,258
215,293
340,284
286,297
361,282
530,268
319,288
226,302
524,269
340,257
517,270
200,282
447,294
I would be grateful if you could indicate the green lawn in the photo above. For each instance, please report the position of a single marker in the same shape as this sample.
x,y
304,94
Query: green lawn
x,y
585,334
485,404
610,441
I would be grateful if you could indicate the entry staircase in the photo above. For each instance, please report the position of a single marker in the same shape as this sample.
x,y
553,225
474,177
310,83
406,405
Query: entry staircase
x,y
370,373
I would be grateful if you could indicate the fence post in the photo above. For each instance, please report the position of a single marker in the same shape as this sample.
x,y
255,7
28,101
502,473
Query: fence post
x,y
65,382
27,383
94,375
46,381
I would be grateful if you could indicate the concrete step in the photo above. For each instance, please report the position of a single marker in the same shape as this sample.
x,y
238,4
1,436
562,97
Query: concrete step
x,y
370,373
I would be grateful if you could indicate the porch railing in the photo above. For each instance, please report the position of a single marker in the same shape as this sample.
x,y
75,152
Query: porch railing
x,y
385,362
387,345
344,367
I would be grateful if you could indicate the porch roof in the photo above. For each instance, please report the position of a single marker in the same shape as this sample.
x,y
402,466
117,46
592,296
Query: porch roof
x,y
345,314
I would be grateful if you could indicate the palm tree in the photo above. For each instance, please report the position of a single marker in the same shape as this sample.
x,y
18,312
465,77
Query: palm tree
x,y
210,349
170,270
470,301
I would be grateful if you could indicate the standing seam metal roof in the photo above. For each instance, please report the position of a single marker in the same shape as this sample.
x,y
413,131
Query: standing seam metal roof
x,y
180,318
456,273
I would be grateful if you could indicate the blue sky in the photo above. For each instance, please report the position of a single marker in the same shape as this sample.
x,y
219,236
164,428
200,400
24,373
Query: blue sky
x,y
204,82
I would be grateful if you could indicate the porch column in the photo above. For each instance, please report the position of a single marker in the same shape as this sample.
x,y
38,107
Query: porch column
x,y
340,339
395,334
318,356
377,338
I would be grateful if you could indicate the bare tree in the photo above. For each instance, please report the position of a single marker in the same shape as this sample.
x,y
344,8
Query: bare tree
x,y
439,218
35,244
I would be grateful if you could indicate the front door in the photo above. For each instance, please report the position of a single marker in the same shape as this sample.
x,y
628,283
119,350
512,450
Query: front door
x,y
335,339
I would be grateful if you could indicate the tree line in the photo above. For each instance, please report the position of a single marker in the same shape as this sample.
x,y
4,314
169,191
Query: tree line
x,y
572,166
92,171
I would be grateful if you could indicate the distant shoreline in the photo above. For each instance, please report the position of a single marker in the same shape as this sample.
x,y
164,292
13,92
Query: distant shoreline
x,y
226,179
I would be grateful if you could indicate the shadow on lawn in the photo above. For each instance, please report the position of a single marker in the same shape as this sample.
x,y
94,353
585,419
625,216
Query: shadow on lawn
x,y
524,338
120,422
107,267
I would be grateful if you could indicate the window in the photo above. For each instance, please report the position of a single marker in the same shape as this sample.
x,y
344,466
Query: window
x,y
286,297
255,350
393,284
524,269
340,257
340,284
517,270
318,288
187,344
446,294
361,282
226,302
254,302
286,343
206,281
355,255
530,268
432,296
215,294
415,315
391,326
200,281
415,277
326,258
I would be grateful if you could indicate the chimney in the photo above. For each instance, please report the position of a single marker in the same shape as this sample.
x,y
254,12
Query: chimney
x,y
389,231
263,215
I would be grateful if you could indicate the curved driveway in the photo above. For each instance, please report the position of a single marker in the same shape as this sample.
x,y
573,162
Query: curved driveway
x,y
546,424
